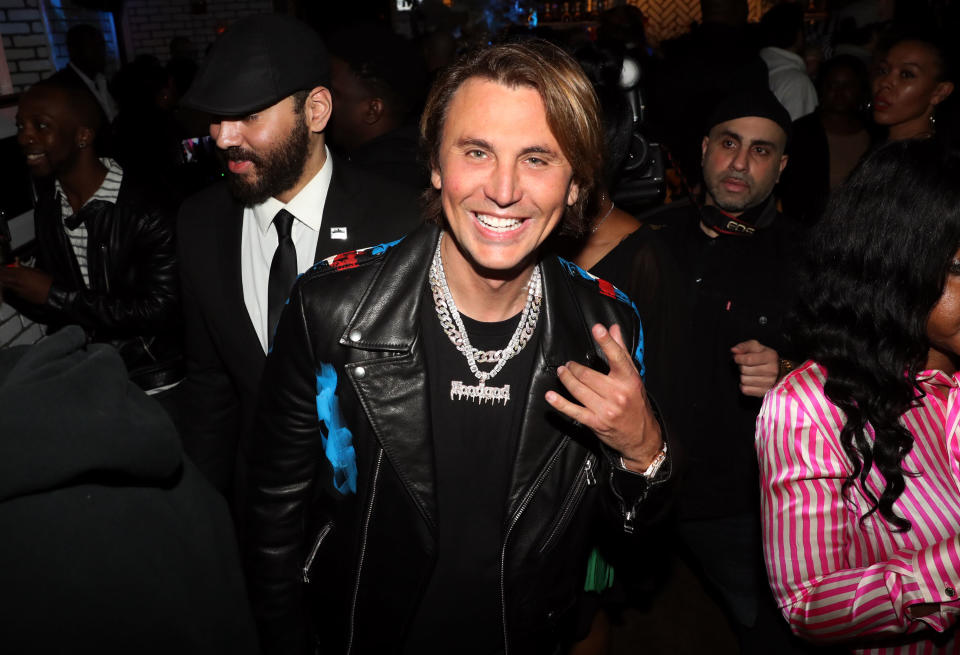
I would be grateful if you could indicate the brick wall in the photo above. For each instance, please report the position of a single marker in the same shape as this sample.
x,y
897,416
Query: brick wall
x,y
35,37
61,15
149,25
15,330
25,42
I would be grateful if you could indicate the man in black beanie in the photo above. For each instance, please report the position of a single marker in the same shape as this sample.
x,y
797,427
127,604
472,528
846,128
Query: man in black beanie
x,y
724,269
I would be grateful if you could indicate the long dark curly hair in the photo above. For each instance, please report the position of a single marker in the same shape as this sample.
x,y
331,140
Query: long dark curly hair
x,y
878,264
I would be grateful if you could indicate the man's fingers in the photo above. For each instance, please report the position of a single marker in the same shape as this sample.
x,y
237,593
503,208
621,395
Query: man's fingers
x,y
587,396
756,359
617,357
617,335
756,392
597,381
571,410
750,346
758,380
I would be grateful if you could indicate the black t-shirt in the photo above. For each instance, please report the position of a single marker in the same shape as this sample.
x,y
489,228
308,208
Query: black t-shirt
x,y
474,445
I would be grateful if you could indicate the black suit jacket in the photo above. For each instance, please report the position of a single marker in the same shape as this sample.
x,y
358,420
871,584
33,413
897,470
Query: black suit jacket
x,y
224,355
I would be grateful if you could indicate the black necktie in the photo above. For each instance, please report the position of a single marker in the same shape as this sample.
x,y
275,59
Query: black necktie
x,y
283,271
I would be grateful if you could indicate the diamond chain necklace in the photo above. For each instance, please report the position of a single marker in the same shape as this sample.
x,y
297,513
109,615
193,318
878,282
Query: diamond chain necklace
x,y
453,326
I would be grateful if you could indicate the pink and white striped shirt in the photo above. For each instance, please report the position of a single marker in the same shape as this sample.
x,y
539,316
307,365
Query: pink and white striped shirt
x,y
836,579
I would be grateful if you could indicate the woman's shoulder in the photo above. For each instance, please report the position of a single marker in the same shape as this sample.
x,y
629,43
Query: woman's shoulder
x,y
805,381
799,399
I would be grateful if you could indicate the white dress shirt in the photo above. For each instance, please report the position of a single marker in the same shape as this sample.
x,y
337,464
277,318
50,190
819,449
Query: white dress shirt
x,y
259,241
98,87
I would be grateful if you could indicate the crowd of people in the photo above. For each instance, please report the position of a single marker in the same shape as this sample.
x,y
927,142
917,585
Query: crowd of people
x,y
445,358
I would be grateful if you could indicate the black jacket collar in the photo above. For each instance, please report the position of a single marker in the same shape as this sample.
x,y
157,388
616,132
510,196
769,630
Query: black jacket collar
x,y
386,320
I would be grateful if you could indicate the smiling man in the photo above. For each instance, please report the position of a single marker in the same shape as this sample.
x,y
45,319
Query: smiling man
x,y
105,253
448,422
285,204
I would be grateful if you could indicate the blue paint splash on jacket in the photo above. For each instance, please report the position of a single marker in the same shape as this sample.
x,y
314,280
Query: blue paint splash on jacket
x,y
338,441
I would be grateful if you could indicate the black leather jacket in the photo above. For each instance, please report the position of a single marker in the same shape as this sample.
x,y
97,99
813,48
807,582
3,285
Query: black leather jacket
x,y
355,564
133,299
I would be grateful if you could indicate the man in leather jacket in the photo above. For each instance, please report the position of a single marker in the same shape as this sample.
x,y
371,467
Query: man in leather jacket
x,y
105,252
396,508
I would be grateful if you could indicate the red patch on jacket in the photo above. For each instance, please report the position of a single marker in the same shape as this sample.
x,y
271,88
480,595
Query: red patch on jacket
x,y
344,261
606,288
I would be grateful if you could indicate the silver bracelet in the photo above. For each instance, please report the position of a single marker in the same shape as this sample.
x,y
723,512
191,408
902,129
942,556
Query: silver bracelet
x,y
655,465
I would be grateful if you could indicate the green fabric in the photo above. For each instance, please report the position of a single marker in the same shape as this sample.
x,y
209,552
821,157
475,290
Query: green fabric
x,y
599,573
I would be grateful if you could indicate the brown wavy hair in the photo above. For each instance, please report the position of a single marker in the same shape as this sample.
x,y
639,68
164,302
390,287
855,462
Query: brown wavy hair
x,y
573,114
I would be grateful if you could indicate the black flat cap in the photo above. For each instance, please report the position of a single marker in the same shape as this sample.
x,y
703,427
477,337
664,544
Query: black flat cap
x,y
754,102
257,62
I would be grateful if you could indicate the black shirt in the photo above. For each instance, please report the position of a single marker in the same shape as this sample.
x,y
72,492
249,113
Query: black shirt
x,y
474,445
712,293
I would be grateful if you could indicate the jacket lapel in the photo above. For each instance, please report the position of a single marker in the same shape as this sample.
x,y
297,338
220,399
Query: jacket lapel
x,y
229,234
393,385
339,211
564,337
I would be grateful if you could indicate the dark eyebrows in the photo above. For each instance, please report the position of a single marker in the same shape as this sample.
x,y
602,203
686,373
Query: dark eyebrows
x,y
468,142
756,142
538,150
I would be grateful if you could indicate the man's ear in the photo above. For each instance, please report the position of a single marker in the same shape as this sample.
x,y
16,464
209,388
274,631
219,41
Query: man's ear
x,y
84,137
435,179
573,194
375,110
783,164
703,148
319,106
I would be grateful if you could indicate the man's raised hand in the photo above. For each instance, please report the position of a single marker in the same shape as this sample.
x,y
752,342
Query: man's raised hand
x,y
614,405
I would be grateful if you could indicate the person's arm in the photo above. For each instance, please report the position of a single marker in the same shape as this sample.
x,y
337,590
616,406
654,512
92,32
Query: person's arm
x,y
616,408
808,544
151,301
284,455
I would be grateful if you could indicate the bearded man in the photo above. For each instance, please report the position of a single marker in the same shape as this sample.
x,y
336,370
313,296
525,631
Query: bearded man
x,y
448,424
284,205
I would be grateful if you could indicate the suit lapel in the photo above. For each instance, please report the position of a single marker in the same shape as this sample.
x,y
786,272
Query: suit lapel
x,y
340,213
229,234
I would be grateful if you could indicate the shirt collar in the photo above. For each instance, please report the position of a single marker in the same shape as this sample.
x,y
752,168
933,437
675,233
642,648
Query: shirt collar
x,y
306,206
108,190
936,377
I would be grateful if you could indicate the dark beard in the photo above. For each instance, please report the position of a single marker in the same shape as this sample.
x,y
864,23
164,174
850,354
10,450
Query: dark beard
x,y
279,169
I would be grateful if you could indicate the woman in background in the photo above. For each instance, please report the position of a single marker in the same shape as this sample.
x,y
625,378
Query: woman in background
x,y
827,144
911,80
860,448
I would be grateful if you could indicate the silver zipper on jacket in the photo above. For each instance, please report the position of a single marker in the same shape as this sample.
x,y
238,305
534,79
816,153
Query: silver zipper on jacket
x,y
513,521
363,549
103,265
585,478
324,531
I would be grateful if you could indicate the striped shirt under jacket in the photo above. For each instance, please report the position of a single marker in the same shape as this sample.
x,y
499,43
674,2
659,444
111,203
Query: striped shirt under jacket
x,y
835,578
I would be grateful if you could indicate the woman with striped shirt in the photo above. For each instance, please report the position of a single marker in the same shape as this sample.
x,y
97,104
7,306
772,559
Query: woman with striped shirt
x,y
860,447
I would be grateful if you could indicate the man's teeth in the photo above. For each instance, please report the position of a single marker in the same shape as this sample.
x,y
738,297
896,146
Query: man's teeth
x,y
495,223
34,156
